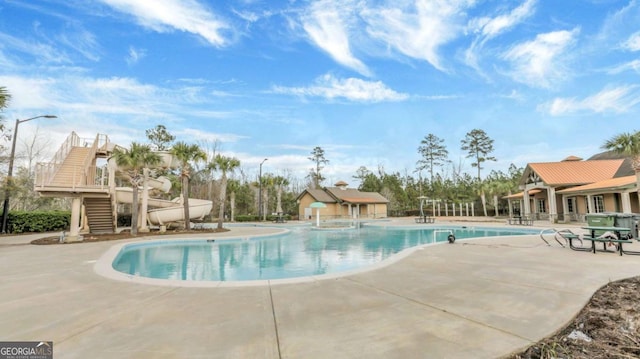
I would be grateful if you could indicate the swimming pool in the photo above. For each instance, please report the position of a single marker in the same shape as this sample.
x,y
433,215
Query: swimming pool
x,y
299,253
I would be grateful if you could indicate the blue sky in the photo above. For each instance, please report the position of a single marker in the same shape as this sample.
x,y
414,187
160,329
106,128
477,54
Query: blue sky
x,y
366,80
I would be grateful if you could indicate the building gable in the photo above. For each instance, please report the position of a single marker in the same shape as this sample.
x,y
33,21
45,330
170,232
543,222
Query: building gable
x,y
570,173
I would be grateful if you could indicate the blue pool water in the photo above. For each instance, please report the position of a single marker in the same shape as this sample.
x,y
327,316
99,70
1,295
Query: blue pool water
x,y
300,253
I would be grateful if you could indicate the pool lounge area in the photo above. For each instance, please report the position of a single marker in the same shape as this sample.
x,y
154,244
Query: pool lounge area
x,y
482,298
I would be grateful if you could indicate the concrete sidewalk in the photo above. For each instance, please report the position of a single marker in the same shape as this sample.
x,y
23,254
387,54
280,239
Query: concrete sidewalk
x,y
476,299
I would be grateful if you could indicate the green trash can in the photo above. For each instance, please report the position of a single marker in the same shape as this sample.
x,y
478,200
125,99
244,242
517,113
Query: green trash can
x,y
600,220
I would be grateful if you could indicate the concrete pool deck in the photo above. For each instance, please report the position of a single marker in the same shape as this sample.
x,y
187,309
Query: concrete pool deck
x,y
483,298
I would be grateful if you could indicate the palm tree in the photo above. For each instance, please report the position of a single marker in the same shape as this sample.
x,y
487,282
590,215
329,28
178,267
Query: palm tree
x,y
280,182
233,186
627,144
267,182
4,97
225,165
186,154
133,162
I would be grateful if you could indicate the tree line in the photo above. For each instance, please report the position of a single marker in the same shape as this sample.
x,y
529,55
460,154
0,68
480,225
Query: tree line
x,y
207,174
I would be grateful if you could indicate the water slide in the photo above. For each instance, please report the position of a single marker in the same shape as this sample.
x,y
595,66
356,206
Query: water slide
x,y
163,212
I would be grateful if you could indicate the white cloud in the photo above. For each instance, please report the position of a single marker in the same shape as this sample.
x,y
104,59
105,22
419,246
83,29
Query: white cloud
x,y
492,27
135,55
352,89
42,52
627,66
633,42
489,27
618,100
82,41
418,30
542,62
198,135
183,15
326,25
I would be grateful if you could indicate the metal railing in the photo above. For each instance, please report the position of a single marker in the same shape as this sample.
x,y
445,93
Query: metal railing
x,y
90,177
86,175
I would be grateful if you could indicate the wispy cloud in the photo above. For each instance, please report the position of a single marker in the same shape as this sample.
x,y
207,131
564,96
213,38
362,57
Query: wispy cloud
x,y
617,100
198,135
627,66
135,55
633,42
81,41
487,28
43,52
419,29
326,25
490,27
352,89
542,62
183,15
105,96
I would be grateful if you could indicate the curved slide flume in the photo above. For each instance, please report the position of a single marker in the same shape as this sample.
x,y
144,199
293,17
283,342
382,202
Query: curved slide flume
x,y
164,211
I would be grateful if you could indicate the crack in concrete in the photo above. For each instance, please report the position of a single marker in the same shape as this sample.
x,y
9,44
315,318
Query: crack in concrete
x,y
275,321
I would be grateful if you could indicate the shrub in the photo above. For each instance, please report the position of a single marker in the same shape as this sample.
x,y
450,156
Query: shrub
x,y
246,218
38,221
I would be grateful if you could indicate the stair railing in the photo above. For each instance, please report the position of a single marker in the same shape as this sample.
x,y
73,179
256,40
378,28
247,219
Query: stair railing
x,y
89,175
46,170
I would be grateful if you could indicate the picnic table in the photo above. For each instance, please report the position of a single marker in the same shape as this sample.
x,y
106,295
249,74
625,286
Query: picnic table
x,y
521,220
618,241
425,219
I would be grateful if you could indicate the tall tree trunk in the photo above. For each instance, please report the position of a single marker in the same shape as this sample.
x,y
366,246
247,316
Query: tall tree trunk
x,y
279,200
232,205
185,199
483,197
265,195
495,205
134,209
223,195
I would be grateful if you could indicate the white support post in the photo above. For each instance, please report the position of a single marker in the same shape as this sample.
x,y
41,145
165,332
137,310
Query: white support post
x,y
626,202
74,226
553,208
526,203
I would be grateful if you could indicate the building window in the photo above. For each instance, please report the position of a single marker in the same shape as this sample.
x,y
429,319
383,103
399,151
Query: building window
x,y
570,205
598,204
542,206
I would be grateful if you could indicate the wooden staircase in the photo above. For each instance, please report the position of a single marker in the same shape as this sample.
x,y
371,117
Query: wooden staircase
x,y
99,214
71,173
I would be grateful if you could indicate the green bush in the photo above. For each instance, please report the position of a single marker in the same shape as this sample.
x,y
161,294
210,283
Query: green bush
x,y
272,218
38,221
246,218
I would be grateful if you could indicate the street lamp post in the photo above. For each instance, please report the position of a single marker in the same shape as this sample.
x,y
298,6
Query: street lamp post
x,y
5,206
260,191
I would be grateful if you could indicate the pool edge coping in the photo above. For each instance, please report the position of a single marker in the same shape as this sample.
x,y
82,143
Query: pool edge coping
x,y
104,266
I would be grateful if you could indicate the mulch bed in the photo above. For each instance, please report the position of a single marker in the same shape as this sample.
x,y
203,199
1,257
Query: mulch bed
x,y
607,327
88,238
